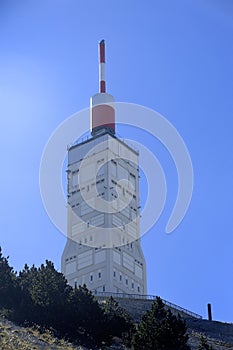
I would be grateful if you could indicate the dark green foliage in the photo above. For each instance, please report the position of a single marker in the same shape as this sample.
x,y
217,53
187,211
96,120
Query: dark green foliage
x,y
86,320
204,345
44,294
118,322
48,301
8,284
160,330
41,296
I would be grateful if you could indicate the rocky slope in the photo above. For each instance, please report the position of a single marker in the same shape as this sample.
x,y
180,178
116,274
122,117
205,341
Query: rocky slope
x,y
13,337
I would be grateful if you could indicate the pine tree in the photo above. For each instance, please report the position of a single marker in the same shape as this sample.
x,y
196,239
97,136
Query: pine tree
x,y
86,318
160,330
118,321
8,284
44,296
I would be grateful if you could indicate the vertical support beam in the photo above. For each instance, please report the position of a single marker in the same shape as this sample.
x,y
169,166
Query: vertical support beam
x,y
209,312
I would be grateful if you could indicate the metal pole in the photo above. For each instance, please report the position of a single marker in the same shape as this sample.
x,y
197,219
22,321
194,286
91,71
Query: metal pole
x,y
209,312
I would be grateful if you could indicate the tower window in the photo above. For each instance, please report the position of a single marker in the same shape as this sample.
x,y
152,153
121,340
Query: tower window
x,y
91,278
114,273
126,281
103,288
120,277
138,289
132,285
99,274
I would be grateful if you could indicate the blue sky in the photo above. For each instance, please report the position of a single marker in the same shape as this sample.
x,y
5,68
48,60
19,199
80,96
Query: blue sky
x,y
172,56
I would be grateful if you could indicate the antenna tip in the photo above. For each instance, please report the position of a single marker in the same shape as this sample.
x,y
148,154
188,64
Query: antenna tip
x,y
102,42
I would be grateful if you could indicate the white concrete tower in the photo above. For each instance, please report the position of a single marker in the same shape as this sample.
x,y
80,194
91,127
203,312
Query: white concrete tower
x,y
103,247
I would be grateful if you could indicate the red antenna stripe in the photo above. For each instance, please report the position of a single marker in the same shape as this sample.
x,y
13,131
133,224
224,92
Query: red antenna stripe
x,y
102,86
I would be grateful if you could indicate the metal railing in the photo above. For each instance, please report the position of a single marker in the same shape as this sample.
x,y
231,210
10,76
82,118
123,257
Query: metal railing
x,y
146,297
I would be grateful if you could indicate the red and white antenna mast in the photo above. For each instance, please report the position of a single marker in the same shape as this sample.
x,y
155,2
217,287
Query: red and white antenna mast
x,y
102,104
102,81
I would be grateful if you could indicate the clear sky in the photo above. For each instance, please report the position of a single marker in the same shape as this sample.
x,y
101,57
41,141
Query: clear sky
x,y
172,56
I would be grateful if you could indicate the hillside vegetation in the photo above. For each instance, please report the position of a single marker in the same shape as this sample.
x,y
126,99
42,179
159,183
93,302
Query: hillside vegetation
x,y
57,315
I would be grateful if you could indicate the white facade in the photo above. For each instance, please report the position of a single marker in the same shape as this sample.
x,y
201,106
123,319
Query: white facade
x,y
103,247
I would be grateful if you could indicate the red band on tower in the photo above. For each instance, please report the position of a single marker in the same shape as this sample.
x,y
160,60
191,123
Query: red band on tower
x,y
102,104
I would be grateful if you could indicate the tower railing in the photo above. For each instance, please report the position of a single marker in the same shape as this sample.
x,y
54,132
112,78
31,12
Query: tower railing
x,y
146,297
